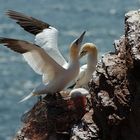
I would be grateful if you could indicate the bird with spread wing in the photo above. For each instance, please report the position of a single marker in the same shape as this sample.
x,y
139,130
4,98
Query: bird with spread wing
x,y
56,75
46,37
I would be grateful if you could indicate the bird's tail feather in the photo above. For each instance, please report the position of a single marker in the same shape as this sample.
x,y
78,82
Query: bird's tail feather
x,y
27,97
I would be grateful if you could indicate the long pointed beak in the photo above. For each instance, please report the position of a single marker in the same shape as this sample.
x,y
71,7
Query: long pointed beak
x,y
80,39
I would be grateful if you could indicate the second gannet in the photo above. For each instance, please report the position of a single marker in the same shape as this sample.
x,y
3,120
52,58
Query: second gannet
x,y
87,70
58,77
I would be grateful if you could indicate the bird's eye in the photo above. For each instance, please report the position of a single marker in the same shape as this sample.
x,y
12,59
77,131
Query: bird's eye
x,y
83,53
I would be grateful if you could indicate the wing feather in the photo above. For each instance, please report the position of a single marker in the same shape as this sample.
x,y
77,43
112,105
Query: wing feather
x,y
46,36
48,40
35,56
29,24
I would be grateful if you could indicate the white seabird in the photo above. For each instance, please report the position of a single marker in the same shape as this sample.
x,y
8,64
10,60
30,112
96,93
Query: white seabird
x,y
87,70
46,37
57,76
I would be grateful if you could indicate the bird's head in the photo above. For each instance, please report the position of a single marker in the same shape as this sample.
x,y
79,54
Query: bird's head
x,y
88,48
76,45
79,96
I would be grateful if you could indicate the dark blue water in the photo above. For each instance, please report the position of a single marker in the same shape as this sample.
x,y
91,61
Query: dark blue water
x,y
103,21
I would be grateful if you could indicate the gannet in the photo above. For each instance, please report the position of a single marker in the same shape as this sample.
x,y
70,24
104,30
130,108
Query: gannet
x,y
87,70
57,76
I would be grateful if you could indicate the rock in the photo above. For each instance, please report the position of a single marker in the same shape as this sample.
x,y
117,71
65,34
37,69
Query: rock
x,y
116,98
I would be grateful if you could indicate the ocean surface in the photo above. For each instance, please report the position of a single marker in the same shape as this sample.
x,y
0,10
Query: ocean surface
x,y
103,21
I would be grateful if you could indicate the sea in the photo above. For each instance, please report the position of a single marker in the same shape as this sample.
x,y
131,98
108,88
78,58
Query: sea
x,y
103,21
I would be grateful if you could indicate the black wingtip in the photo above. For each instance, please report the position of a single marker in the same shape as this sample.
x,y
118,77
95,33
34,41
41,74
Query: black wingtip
x,y
28,23
9,12
2,40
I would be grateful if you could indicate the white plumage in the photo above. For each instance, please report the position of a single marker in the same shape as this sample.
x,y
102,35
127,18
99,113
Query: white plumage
x,y
48,39
87,70
46,36
57,76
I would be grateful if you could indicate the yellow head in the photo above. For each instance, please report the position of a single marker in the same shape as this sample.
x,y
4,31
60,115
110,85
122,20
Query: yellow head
x,y
75,46
88,48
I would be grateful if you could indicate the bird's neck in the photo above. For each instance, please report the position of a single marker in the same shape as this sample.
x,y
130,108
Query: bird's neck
x,y
74,58
91,61
73,61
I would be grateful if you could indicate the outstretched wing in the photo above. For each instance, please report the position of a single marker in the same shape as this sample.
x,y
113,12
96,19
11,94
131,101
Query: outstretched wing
x,y
45,35
36,57
47,39
29,24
